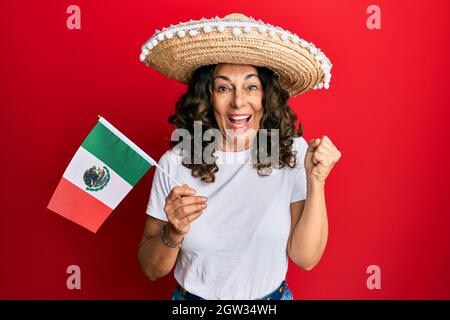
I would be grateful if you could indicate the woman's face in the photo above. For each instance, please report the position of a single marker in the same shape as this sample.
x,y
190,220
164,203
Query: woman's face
x,y
237,102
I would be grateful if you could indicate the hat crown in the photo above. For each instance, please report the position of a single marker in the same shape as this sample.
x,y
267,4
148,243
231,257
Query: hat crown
x,y
236,16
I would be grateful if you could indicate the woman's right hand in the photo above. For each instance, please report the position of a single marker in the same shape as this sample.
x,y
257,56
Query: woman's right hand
x,y
182,207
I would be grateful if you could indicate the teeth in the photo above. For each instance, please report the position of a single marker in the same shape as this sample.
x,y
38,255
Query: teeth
x,y
237,118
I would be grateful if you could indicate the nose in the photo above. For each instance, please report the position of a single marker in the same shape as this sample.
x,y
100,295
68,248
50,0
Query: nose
x,y
238,100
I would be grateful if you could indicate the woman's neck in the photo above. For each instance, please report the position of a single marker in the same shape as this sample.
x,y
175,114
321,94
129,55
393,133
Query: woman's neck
x,y
235,146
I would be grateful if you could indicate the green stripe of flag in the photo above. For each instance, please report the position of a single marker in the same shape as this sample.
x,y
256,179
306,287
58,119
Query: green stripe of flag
x,y
110,149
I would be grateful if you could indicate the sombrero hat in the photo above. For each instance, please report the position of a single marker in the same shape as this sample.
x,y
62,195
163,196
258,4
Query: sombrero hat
x,y
178,50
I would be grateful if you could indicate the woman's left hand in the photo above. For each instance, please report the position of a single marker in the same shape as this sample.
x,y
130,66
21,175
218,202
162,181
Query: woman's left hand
x,y
320,158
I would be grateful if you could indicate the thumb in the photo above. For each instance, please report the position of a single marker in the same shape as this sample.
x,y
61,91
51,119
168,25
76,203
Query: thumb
x,y
313,143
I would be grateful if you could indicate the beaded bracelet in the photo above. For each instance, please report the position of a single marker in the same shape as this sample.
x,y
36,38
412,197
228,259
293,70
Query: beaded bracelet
x,y
167,242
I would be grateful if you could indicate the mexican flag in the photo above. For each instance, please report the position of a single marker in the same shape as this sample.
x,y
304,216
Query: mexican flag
x,y
103,170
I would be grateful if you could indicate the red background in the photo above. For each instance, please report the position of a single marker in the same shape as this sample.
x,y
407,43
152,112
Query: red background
x,y
386,111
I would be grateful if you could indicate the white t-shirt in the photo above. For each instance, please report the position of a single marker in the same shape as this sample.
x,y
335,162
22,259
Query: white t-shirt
x,y
237,249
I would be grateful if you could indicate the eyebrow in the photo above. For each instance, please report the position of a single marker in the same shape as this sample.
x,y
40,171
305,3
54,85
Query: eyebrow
x,y
228,79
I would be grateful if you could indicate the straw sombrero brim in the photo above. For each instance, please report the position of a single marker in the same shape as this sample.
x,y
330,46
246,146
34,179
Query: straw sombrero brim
x,y
178,51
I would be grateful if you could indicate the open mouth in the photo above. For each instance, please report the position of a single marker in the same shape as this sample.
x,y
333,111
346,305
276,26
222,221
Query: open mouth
x,y
239,121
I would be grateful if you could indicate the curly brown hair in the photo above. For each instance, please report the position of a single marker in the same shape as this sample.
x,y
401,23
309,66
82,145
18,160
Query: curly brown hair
x,y
196,105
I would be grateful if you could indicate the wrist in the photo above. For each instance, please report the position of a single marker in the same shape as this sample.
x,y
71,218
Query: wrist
x,y
172,234
315,183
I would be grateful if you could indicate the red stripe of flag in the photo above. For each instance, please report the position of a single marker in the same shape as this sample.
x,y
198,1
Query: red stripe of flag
x,y
78,206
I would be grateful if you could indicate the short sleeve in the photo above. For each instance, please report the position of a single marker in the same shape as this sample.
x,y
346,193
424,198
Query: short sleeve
x,y
299,175
161,187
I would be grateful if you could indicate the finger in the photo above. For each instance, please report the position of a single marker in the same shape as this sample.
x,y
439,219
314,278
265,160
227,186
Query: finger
x,y
324,145
188,200
326,139
322,159
188,210
179,191
191,217
313,143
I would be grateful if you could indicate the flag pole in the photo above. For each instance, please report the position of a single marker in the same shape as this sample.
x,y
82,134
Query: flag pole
x,y
135,147
162,169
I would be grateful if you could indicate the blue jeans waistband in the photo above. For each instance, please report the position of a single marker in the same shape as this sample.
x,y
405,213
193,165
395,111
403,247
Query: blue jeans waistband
x,y
277,294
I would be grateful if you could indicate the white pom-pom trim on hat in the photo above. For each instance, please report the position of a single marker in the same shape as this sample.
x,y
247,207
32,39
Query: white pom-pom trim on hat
x,y
193,33
262,29
236,31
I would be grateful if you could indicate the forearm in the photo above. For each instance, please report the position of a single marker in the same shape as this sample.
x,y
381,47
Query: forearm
x,y
156,258
311,232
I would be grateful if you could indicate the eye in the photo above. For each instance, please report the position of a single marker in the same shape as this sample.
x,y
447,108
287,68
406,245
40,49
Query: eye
x,y
222,87
253,86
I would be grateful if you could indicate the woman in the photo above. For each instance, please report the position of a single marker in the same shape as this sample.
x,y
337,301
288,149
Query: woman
x,y
233,224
